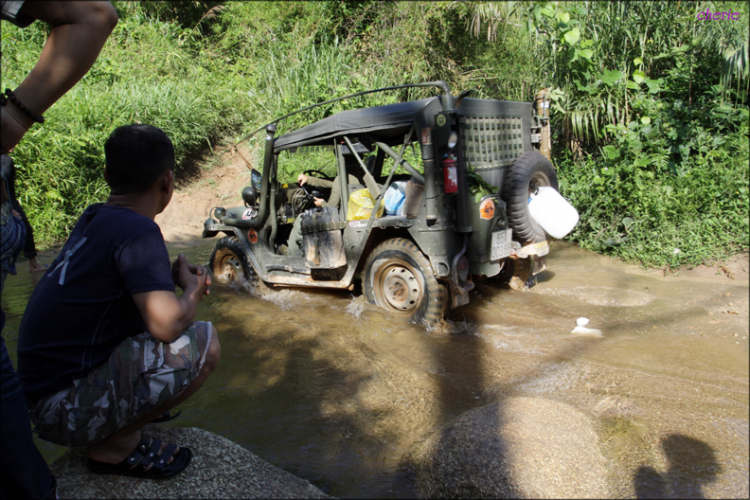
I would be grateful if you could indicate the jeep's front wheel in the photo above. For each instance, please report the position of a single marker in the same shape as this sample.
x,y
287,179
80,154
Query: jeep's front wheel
x,y
399,278
230,264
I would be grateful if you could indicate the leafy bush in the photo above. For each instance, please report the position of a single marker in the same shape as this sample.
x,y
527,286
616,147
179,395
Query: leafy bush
x,y
633,207
649,120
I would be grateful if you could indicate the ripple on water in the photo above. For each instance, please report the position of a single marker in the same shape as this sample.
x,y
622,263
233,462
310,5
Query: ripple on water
x,y
552,378
512,339
286,299
601,295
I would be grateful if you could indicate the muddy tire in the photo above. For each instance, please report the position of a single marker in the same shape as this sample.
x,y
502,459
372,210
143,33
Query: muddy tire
x,y
230,264
527,173
399,278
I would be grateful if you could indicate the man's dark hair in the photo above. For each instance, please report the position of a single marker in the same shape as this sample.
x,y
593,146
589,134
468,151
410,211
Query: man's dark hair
x,y
136,156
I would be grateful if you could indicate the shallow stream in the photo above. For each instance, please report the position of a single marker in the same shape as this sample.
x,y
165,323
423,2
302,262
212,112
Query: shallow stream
x,y
339,392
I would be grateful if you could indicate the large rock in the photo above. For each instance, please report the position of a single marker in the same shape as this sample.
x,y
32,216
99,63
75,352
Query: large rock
x,y
219,469
518,448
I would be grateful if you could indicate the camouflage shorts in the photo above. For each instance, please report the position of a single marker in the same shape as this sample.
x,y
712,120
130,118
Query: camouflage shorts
x,y
141,374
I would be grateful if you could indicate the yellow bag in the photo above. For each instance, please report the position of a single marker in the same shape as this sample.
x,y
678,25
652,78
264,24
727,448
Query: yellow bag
x,y
360,205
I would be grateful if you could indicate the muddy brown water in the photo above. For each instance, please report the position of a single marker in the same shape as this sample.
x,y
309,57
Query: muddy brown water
x,y
339,392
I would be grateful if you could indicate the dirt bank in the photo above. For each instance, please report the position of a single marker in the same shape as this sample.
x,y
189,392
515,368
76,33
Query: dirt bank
x,y
182,222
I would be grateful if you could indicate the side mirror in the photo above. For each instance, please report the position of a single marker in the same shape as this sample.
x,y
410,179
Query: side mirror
x,y
256,179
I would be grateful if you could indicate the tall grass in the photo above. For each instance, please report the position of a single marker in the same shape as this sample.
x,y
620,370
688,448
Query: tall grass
x,y
652,100
145,74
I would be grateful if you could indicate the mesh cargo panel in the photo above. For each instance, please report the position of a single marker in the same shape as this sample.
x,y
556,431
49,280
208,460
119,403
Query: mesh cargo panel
x,y
496,133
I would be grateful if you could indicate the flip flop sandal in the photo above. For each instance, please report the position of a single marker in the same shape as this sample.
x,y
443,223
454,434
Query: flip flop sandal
x,y
147,453
166,417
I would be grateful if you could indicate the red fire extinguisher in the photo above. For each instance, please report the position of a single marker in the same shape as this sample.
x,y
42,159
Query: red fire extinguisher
x,y
450,175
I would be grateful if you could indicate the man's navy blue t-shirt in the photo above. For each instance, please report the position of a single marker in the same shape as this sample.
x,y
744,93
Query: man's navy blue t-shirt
x,y
83,307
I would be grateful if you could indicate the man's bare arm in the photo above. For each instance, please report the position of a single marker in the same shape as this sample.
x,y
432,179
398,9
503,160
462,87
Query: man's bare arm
x,y
167,316
78,35
79,30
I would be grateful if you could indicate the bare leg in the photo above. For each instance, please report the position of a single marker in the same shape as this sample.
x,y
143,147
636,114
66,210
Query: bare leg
x,y
34,266
119,445
78,35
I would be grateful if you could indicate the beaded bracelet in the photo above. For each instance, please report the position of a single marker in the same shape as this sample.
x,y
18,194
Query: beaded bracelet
x,y
12,98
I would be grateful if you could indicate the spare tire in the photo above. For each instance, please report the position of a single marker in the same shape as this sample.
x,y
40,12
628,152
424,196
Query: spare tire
x,y
524,177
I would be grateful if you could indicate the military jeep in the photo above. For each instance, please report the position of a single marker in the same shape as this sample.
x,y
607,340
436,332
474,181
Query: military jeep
x,y
419,261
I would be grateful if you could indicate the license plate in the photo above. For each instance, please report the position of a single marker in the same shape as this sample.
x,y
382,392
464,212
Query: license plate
x,y
501,244
542,248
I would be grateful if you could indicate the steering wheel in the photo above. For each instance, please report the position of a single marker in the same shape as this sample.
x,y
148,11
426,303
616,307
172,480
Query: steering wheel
x,y
316,192
308,189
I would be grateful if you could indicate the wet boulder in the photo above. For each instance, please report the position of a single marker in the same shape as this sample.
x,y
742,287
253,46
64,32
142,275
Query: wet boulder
x,y
219,469
518,448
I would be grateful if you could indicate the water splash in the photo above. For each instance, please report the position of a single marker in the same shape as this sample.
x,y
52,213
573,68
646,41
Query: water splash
x,y
355,308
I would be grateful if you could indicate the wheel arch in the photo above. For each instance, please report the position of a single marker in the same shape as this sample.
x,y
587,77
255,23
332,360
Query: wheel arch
x,y
235,232
377,236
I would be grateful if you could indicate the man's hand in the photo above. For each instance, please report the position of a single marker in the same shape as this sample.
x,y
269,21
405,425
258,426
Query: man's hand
x,y
167,316
302,179
187,275
319,201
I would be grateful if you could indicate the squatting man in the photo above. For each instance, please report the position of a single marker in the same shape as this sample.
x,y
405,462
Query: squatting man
x,y
105,345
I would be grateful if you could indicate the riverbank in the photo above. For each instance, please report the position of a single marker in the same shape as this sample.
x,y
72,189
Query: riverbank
x,y
328,387
219,469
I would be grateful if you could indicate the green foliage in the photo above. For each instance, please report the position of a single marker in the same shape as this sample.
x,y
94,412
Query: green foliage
x,y
648,105
478,187
187,14
602,55
306,158
649,121
60,163
635,206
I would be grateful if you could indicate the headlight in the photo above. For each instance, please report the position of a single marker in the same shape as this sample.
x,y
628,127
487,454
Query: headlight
x,y
248,196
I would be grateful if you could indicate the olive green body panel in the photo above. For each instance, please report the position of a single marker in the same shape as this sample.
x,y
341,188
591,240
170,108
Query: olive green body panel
x,y
451,227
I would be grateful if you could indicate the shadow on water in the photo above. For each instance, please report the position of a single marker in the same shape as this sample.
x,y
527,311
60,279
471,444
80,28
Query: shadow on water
x,y
544,276
303,383
692,464
275,401
460,388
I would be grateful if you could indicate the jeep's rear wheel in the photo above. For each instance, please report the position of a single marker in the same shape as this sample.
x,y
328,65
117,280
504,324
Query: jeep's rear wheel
x,y
525,176
399,278
230,264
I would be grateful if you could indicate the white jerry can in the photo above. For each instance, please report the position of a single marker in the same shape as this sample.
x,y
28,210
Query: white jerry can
x,y
553,212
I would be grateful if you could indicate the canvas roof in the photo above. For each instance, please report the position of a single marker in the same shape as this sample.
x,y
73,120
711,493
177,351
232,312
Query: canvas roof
x,y
392,121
